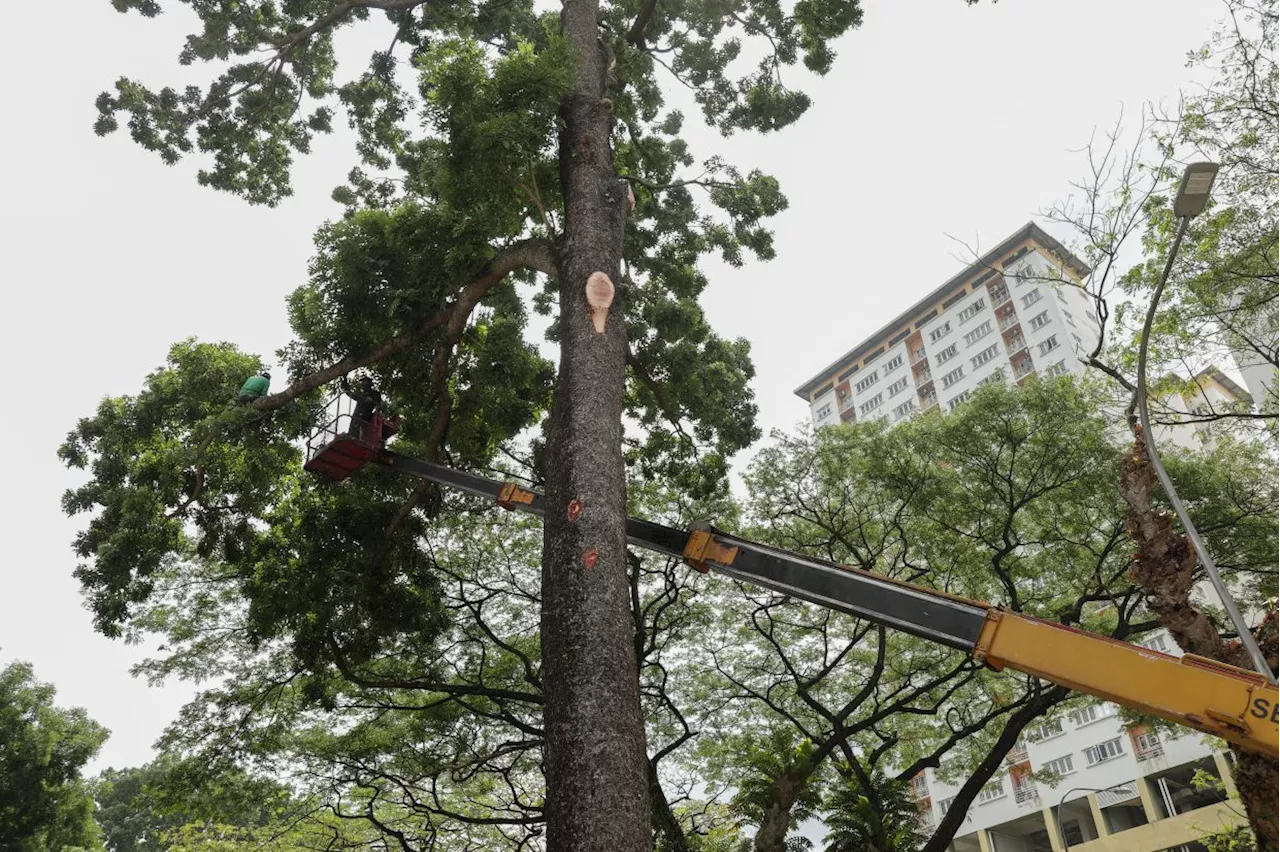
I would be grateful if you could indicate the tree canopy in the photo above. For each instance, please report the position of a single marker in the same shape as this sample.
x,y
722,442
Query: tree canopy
x,y
45,805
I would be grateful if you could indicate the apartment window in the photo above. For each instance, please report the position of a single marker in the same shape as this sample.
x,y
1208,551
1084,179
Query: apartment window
x,y
892,364
1103,752
986,355
824,411
1049,344
919,786
1030,298
991,792
1092,713
1057,291
978,333
940,332
871,404
1156,643
1147,746
954,376
898,386
997,376
1066,315
1047,730
868,382
947,354
1023,275
1079,342
951,406
903,410
945,804
1040,320
1060,766
1057,369
973,310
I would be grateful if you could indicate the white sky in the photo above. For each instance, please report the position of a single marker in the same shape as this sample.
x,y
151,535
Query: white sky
x,y
938,119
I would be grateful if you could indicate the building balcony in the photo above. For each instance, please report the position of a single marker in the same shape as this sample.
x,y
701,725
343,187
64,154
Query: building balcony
x,y
1017,754
923,378
1015,343
1023,368
926,822
1008,320
928,400
846,403
1025,792
999,294
917,356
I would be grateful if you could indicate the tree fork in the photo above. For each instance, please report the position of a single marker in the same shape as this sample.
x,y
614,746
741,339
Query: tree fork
x,y
597,797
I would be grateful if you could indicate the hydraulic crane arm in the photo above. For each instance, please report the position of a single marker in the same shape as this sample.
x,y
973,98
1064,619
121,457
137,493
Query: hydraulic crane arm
x,y
1239,706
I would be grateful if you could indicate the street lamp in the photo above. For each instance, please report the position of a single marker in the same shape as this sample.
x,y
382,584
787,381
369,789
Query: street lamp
x,y
1057,811
1193,194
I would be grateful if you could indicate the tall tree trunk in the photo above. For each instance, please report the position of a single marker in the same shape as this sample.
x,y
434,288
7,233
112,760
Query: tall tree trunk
x,y
1164,567
596,764
776,821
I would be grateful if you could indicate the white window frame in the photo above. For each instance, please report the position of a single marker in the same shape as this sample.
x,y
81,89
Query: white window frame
x,y
958,399
1049,344
947,354
973,309
1031,297
1040,320
991,791
985,356
1104,751
978,333
867,382
893,363
871,404
954,376
940,332
1058,763
899,386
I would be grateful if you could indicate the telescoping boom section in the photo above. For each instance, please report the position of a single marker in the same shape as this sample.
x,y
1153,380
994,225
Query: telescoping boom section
x,y
1237,705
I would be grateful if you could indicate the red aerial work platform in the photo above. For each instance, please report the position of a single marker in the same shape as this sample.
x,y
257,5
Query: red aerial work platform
x,y
344,444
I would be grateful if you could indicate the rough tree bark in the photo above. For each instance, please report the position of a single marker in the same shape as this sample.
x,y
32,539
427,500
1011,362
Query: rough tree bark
x,y
1164,566
771,836
596,764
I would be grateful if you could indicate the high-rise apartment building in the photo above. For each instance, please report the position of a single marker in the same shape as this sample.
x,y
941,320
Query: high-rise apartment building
x,y
1006,317
1011,315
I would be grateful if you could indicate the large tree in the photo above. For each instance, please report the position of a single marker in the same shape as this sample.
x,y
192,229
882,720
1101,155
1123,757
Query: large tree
x,y
497,143
45,805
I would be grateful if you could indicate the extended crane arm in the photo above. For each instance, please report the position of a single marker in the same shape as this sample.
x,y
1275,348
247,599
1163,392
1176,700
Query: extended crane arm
x,y
1238,705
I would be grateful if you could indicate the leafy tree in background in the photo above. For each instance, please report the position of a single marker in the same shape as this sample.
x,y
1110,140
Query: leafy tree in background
x,y
758,709
1220,303
141,809
498,144
45,806
858,823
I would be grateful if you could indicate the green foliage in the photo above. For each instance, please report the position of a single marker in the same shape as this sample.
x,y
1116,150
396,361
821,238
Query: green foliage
x,y
1010,499
45,806
855,822
1234,838
141,809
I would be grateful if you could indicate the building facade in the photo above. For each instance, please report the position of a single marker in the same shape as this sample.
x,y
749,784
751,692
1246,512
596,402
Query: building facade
x,y
1117,788
1010,315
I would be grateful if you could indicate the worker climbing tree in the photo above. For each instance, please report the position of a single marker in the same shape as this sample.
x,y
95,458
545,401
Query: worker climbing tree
x,y
254,387
549,158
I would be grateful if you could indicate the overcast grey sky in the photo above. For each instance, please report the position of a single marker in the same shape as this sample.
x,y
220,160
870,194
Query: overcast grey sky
x,y
938,119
